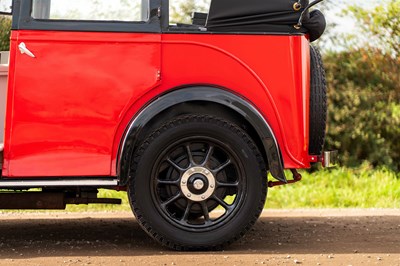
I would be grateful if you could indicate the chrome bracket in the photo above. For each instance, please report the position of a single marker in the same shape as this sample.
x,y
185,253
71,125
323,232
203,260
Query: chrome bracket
x,y
329,159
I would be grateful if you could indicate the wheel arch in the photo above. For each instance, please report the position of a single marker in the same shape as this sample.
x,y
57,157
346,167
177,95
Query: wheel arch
x,y
224,102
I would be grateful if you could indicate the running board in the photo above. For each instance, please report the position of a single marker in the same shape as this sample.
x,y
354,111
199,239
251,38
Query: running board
x,y
26,183
47,200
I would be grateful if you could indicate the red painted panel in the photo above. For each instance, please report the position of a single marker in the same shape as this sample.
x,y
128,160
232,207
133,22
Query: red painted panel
x,y
269,71
65,105
69,107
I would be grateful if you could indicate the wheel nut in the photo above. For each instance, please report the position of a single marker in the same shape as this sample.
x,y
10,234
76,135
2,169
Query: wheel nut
x,y
198,184
211,186
183,182
189,195
203,197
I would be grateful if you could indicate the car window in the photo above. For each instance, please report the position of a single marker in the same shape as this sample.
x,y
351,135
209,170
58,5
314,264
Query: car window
x,y
91,10
180,11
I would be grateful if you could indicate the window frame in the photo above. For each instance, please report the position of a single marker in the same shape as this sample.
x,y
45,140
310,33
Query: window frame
x,y
22,20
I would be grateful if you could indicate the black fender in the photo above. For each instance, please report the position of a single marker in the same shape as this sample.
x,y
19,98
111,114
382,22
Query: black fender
x,y
207,94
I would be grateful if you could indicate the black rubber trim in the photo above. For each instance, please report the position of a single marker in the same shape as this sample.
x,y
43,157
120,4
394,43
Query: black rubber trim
x,y
208,94
318,103
16,9
196,30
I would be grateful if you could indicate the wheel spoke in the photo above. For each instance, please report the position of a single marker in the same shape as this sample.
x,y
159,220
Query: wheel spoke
x,y
168,182
195,180
221,167
190,156
223,184
177,167
225,205
174,198
208,155
187,211
205,212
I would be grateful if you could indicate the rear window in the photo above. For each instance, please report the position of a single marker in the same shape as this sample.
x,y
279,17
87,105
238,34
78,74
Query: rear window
x,y
181,11
91,10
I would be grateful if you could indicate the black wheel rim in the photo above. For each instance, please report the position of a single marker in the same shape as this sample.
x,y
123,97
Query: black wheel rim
x,y
198,183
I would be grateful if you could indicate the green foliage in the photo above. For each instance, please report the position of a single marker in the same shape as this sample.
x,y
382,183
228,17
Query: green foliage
x,y
365,187
380,26
364,117
5,30
364,92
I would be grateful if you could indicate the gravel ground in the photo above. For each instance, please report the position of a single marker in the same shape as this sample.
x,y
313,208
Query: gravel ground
x,y
284,237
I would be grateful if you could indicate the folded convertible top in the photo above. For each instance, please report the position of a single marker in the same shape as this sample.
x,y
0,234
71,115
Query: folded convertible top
x,y
263,16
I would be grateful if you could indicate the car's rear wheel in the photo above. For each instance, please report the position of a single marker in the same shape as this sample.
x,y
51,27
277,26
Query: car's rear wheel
x,y
199,182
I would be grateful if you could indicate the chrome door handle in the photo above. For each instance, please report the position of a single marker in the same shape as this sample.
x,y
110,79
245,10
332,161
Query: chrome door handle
x,y
24,50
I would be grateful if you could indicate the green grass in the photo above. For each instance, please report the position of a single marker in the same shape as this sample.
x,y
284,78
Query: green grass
x,y
364,187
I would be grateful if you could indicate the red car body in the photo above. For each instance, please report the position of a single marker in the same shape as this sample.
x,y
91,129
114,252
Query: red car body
x,y
68,107
188,120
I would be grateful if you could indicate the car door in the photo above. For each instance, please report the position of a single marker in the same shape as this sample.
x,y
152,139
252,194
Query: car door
x,y
75,67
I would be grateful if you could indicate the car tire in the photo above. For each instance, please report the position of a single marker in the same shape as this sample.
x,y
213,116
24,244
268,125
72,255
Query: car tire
x,y
318,103
187,166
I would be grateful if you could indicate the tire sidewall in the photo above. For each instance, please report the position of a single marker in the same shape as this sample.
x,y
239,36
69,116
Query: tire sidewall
x,y
145,206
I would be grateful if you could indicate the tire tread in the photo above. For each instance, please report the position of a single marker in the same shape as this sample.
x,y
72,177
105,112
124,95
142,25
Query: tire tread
x,y
318,103
170,124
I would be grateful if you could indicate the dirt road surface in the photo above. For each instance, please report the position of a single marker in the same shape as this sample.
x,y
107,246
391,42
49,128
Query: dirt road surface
x,y
288,237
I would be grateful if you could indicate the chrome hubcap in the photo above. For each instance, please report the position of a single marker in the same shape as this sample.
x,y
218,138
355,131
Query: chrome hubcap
x,y
197,184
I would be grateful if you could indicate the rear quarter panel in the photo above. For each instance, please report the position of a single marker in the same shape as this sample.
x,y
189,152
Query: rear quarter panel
x,y
271,72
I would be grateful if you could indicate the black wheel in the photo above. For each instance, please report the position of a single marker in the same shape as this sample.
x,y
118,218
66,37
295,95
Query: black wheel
x,y
318,103
198,183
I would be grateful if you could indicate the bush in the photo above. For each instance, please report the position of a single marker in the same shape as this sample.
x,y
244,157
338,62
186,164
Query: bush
x,y
5,30
364,109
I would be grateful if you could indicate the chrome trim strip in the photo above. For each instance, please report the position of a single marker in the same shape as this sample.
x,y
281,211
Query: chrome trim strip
x,y
58,183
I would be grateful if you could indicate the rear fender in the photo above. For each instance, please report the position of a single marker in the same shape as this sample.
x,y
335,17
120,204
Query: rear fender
x,y
207,94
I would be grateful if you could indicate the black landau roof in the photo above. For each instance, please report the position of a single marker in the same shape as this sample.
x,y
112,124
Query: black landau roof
x,y
262,16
